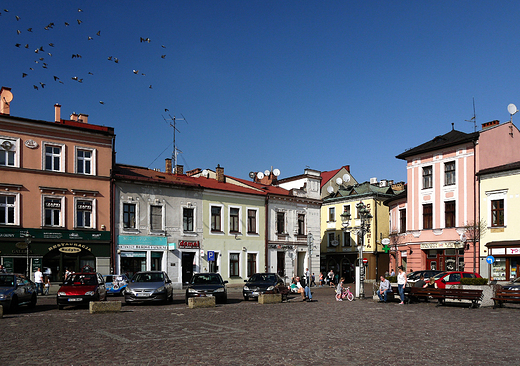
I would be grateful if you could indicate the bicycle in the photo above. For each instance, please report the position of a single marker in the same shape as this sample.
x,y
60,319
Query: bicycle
x,y
345,294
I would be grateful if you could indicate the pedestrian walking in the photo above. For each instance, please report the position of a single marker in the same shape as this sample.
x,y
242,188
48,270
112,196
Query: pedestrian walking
x,y
401,283
321,279
47,285
38,279
313,280
330,276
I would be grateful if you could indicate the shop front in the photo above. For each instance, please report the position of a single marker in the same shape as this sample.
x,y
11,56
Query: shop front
x,y
54,251
444,256
141,253
506,266
191,254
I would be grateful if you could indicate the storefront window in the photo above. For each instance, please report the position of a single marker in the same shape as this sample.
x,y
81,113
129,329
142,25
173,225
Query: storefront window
x,y
498,269
514,263
132,262
156,261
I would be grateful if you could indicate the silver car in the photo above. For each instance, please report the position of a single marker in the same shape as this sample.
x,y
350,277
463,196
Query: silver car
x,y
150,286
16,290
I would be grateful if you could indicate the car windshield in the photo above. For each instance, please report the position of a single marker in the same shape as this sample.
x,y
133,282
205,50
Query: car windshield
x,y
262,277
148,277
7,280
76,279
209,279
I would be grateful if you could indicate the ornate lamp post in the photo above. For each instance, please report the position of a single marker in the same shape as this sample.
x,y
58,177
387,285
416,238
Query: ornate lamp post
x,y
362,229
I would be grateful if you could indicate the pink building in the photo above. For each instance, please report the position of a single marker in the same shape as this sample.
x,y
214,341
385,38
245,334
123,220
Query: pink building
x,y
428,227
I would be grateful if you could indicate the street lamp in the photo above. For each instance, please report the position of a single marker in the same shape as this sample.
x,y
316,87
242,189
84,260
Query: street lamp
x,y
28,238
362,229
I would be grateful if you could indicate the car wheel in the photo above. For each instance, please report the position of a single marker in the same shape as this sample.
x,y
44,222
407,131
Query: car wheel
x,y
224,300
186,300
246,298
122,292
60,307
32,304
14,304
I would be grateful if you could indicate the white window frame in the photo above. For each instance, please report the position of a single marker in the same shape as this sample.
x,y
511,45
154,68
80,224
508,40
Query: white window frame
x,y
221,232
137,217
93,215
257,266
240,263
62,155
257,233
93,159
15,147
163,218
494,196
62,210
239,231
16,208
194,208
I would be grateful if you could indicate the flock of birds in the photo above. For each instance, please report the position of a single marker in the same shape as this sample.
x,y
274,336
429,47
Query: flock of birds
x,y
43,55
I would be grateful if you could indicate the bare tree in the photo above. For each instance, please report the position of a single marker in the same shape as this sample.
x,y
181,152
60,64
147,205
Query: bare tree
x,y
473,232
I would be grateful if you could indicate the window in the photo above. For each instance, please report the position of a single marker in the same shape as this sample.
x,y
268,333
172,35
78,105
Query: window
x,y
234,264
8,150
497,212
346,209
427,174
332,214
251,264
346,239
301,224
84,214
332,240
280,223
234,220
84,161
129,215
402,221
52,209
251,221
427,216
53,157
449,213
156,215
449,173
187,219
216,218
7,209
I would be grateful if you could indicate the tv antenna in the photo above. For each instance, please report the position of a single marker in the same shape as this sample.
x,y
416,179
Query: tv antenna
x,y
173,124
474,118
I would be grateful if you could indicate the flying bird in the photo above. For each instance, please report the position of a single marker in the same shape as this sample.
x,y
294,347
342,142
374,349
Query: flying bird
x,y
109,58
7,11
56,78
90,38
23,75
166,110
163,56
150,87
98,33
136,72
41,49
163,46
27,45
79,21
41,58
51,44
18,45
74,78
145,39
29,29
50,54
35,87
66,24
90,73
116,60
44,65
77,55
101,102
17,17
42,84
18,31
79,10
36,50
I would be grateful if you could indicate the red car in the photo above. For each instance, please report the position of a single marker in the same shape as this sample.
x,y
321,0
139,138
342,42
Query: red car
x,y
453,278
81,288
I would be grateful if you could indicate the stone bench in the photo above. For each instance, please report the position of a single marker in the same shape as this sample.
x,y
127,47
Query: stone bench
x,y
269,298
104,307
201,302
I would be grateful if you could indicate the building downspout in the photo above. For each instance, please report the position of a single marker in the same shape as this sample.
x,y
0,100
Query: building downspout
x,y
112,216
475,208
266,234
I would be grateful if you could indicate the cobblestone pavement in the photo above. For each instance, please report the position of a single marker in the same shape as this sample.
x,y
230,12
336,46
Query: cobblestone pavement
x,y
322,332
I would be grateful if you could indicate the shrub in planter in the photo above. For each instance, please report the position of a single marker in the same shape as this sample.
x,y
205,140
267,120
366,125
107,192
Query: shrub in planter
x,y
474,281
392,279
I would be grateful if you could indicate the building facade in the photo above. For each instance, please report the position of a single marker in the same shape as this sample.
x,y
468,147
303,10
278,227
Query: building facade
x,y
55,203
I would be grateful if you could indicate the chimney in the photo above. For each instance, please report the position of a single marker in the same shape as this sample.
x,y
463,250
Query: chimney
x,y
193,172
179,169
57,113
168,165
220,174
83,118
5,100
74,117
487,125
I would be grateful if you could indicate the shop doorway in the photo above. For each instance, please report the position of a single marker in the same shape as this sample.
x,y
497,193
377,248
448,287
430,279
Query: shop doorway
x,y
280,264
187,266
157,261
55,263
300,270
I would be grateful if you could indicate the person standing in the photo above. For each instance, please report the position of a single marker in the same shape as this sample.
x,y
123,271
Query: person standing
x,y
384,288
38,279
321,279
313,280
330,275
2,269
47,285
401,283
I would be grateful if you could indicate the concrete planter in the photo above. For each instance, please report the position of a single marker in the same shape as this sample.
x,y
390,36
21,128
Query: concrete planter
x,y
104,307
488,291
269,298
201,302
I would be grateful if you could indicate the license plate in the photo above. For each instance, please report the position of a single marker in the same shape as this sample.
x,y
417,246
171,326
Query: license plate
x,y
76,299
143,295
255,293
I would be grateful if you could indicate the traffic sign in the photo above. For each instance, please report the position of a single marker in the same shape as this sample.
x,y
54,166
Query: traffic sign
x,y
490,259
211,255
365,260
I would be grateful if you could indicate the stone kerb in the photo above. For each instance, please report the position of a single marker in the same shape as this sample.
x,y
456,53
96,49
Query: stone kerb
x,y
269,298
201,302
104,307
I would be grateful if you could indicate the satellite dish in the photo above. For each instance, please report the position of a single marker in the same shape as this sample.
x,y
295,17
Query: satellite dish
x,y
205,173
266,172
276,172
346,177
252,175
260,175
330,189
338,181
7,96
511,108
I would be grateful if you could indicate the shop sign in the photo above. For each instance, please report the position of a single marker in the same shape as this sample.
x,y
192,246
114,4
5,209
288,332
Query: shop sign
x,y
498,251
140,247
189,244
69,250
443,245
133,254
513,251
505,251
150,241
78,246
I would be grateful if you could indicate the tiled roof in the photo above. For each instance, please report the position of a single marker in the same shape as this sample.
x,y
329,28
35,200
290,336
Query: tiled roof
x,y
264,188
363,189
501,168
452,138
326,176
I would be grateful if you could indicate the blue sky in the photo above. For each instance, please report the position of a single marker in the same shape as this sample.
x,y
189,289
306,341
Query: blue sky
x,y
287,84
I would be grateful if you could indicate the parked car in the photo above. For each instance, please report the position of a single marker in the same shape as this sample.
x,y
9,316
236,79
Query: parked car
x,y
453,278
513,285
414,276
260,283
207,284
81,288
16,290
150,286
116,284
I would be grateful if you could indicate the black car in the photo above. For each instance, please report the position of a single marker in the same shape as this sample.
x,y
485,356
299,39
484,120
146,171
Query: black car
x,y
513,285
207,284
415,276
16,290
260,283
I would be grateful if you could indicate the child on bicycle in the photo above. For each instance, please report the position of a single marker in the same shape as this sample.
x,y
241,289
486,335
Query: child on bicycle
x,y
340,290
